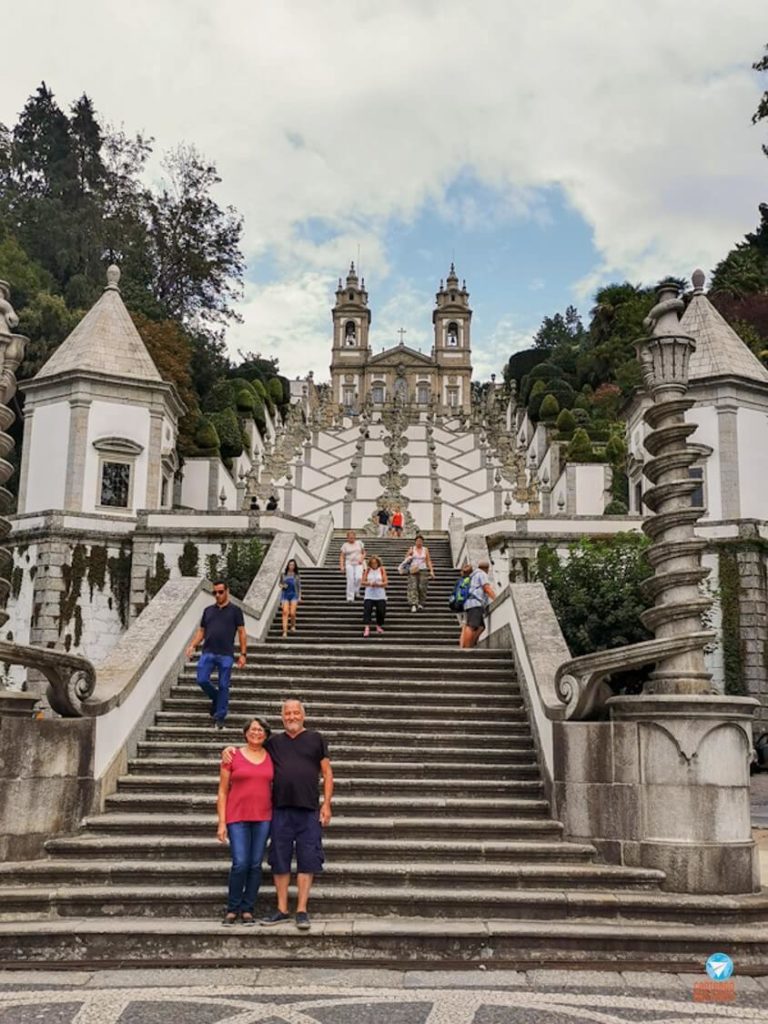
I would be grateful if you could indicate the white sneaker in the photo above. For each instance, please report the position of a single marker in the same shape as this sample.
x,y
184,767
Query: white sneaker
x,y
413,607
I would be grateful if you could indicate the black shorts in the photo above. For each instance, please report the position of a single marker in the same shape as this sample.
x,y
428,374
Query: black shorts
x,y
475,617
299,827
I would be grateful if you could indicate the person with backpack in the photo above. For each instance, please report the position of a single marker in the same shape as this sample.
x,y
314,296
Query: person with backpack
x,y
471,595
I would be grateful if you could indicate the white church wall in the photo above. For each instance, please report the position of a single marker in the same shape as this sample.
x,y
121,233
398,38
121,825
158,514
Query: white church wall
x,y
753,463
418,466
312,478
49,444
116,419
194,484
368,488
590,488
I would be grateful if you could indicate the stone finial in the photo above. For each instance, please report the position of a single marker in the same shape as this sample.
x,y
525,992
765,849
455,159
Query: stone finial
x,y
664,318
113,277
8,317
698,278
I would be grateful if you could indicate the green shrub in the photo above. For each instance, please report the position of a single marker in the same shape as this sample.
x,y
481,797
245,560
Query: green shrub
x,y
230,437
616,507
222,395
580,449
259,417
549,409
246,401
206,437
566,422
596,591
581,416
242,560
275,390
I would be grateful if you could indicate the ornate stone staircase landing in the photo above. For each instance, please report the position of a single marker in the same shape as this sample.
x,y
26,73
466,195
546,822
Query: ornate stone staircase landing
x,y
442,847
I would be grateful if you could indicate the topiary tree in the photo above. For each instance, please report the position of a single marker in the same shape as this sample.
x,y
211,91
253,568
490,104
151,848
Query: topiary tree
x,y
246,401
581,416
223,395
275,390
580,449
206,439
616,507
535,398
566,423
230,435
259,417
549,409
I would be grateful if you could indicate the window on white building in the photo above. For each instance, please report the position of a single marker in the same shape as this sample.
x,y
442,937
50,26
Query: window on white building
x,y
453,397
350,333
452,335
377,394
115,489
697,497
422,394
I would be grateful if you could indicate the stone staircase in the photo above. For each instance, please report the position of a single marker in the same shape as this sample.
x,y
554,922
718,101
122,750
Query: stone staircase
x,y
442,846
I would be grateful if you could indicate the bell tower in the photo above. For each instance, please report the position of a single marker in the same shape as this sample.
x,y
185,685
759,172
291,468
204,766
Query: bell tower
x,y
452,349
350,353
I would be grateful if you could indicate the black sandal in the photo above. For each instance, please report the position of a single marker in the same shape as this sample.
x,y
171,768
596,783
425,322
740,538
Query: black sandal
x,y
247,917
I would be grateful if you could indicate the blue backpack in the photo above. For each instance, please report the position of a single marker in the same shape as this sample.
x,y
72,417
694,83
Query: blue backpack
x,y
461,592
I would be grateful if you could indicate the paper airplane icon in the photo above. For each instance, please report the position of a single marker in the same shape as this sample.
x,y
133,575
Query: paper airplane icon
x,y
719,968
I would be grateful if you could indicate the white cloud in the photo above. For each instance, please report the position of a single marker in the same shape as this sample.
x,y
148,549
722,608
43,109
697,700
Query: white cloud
x,y
506,337
357,114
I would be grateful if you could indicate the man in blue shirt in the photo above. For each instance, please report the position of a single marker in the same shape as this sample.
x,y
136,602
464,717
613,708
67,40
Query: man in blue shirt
x,y
217,629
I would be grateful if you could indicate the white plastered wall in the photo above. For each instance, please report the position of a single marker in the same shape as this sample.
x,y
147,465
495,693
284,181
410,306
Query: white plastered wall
x,y
49,443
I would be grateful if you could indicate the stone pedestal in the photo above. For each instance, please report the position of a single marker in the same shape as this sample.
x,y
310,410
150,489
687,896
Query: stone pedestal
x,y
664,784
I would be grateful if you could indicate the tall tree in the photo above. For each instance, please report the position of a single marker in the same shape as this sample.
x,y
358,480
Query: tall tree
x,y
199,266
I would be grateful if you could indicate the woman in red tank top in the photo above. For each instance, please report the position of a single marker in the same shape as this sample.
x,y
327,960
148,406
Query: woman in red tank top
x,y
245,815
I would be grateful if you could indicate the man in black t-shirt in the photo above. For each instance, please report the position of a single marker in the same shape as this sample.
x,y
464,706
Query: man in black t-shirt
x,y
299,755
218,626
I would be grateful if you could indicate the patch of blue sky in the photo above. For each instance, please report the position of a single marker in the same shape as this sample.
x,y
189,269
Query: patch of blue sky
x,y
520,254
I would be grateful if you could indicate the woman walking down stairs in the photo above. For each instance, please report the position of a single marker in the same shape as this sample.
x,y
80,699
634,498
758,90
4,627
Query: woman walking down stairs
x,y
442,845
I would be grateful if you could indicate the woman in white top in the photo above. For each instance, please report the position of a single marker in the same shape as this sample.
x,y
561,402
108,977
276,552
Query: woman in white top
x,y
419,565
375,583
351,558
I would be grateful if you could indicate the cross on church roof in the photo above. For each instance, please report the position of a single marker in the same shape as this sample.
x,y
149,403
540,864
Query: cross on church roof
x,y
401,332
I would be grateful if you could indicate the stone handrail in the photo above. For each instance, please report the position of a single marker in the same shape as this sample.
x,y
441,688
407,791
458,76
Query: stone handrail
x,y
71,678
581,683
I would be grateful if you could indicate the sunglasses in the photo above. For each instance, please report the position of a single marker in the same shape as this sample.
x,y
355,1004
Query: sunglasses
x,y
221,590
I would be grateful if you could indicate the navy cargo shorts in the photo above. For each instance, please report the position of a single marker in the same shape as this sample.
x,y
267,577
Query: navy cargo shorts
x,y
299,827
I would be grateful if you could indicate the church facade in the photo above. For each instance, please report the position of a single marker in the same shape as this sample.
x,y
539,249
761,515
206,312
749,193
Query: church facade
x,y
440,382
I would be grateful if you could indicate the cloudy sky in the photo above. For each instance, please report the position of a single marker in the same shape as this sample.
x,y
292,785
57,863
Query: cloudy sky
x,y
546,147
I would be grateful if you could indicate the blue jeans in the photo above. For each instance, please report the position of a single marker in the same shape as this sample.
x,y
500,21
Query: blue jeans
x,y
247,841
219,695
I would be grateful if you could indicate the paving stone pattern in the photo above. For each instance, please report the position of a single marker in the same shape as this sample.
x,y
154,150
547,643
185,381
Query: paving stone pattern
x,y
341,997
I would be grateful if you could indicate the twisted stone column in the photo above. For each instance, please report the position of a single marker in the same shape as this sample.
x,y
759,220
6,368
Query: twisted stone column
x,y
11,354
675,553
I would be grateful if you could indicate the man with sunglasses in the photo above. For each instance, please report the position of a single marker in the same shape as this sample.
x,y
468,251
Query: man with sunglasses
x,y
219,625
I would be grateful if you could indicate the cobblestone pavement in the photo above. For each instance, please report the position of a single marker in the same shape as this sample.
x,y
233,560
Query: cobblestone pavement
x,y
320,996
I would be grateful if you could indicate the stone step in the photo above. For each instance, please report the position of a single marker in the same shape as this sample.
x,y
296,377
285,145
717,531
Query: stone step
x,y
517,764
608,899
196,785
349,749
487,712
680,939
210,875
533,814
335,691
349,636
409,652
164,847
397,676
395,738
443,806
331,724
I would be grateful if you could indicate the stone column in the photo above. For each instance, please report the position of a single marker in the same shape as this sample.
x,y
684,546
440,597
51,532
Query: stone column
x,y
26,446
79,409
728,457
154,461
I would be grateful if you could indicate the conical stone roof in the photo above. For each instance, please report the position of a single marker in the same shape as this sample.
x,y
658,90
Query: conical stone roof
x,y
720,352
105,341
